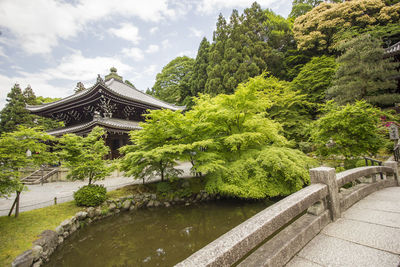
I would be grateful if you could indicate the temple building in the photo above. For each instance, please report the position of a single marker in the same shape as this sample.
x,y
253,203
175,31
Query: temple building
x,y
116,106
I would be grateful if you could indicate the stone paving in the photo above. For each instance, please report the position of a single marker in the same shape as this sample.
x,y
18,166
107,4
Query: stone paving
x,y
367,234
38,196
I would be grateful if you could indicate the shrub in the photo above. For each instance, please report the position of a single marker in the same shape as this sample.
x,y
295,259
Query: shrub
x,y
163,188
90,195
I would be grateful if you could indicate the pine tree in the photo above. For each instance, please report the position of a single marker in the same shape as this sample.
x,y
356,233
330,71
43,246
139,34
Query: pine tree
x,y
14,113
364,73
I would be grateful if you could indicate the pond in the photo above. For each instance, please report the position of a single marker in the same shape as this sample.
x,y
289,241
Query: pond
x,y
152,237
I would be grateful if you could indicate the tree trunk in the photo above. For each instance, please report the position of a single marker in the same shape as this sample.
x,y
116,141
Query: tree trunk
x,y
17,207
162,171
13,205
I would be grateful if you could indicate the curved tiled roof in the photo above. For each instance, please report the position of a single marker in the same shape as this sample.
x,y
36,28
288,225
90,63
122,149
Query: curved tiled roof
x,y
117,87
132,93
59,102
105,122
393,49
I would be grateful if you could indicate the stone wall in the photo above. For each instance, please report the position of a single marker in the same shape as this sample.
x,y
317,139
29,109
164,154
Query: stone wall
x,y
49,240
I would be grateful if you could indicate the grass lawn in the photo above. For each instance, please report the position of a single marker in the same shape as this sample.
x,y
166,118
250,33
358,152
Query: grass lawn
x,y
17,234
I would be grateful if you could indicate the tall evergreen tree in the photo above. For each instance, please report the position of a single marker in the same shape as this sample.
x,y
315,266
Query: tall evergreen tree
x,y
364,73
14,113
199,77
29,95
279,36
214,70
239,50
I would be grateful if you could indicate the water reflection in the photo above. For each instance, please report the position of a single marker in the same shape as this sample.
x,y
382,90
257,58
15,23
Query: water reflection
x,y
156,237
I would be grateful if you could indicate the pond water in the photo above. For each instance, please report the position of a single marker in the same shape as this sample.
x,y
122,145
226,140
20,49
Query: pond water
x,y
152,237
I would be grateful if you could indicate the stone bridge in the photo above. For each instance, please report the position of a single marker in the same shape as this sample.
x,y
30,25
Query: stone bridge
x,y
324,224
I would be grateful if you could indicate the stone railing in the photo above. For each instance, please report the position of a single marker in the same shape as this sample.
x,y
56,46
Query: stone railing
x,y
273,236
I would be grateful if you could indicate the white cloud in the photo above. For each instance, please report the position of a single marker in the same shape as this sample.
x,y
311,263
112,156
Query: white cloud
x,y
40,87
134,52
150,70
165,44
2,53
127,31
39,25
153,30
195,32
72,68
187,53
209,6
152,49
79,68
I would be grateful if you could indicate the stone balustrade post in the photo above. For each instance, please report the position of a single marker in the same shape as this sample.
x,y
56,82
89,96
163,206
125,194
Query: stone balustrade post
x,y
326,175
393,165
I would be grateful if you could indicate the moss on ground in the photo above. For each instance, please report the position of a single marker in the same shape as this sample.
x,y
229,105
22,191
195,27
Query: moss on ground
x,y
166,189
17,234
130,190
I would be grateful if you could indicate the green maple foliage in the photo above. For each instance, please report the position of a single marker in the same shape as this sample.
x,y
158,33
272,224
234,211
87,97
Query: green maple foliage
x,y
150,152
351,130
287,106
13,155
84,156
314,79
218,135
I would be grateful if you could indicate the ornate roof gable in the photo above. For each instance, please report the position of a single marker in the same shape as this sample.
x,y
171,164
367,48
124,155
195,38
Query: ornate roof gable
x,y
112,86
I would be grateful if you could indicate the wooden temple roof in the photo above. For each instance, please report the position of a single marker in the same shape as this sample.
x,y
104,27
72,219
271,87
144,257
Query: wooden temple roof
x,y
110,124
113,86
112,104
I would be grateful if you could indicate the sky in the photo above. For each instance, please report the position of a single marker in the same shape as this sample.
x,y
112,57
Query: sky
x,y
52,45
